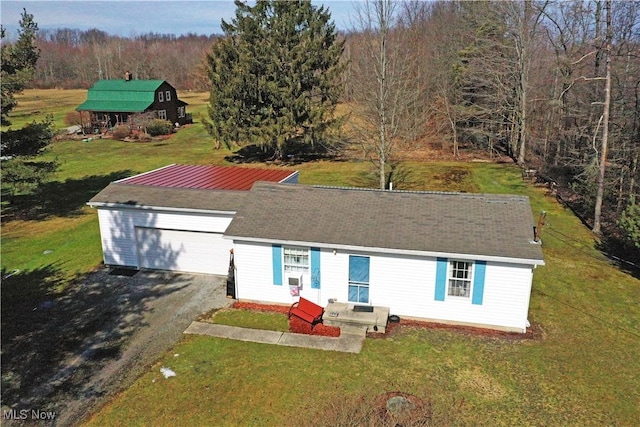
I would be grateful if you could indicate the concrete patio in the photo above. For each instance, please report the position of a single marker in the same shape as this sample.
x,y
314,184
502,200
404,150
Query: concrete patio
x,y
354,318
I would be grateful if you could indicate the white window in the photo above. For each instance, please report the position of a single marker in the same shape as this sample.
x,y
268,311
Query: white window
x,y
167,96
459,279
162,114
160,96
296,260
180,111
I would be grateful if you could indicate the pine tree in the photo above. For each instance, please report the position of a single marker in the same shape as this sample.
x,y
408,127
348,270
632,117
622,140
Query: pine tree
x,y
19,172
275,76
18,63
18,67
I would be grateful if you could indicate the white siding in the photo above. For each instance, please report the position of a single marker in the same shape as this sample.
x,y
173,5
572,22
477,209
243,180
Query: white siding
x,y
335,276
254,274
118,229
405,284
505,303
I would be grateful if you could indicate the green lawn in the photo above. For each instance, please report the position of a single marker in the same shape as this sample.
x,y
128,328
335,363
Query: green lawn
x,y
37,104
248,319
581,367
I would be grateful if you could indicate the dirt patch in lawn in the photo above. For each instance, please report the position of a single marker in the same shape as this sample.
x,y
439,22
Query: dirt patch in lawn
x,y
453,176
396,408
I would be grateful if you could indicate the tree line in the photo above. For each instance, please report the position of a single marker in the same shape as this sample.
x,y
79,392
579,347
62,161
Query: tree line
x,y
554,85
72,58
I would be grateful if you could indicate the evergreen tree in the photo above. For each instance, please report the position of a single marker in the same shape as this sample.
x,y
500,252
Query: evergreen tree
x,y
275,76
20,174
630,224
18,63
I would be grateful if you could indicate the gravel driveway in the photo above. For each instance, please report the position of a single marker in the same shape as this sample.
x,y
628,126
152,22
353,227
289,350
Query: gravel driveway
x,y
97,338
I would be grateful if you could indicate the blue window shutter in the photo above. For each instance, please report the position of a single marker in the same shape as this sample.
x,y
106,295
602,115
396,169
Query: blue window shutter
x,y
478,282
315,268
441,278
277,264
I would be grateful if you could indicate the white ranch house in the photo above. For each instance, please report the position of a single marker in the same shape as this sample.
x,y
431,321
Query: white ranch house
x,y
454,258
445,257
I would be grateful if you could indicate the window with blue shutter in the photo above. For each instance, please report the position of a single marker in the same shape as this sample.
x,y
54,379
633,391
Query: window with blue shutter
x,y
296,260
460,278
441,278
478,282
277,264
315,268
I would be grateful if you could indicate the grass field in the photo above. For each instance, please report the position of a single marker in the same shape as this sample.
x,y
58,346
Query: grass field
x,y
580,368
249,319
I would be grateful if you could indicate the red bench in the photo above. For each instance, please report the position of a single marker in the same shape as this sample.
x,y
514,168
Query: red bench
x,y
307,311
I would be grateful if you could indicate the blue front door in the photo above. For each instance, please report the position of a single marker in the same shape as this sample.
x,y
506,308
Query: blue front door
x,y
359,279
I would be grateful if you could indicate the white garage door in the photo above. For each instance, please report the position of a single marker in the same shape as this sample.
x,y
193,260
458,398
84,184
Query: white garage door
x,y
187,251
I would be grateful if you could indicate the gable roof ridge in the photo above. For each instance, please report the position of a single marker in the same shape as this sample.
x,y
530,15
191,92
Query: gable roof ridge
x,y
143,173
119,85
425,192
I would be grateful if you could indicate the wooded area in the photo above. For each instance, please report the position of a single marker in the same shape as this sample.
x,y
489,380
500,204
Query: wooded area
x,y
554,85
72,58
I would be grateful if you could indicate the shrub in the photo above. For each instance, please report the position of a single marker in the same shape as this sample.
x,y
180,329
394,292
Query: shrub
x,y
29,141
121,132
73,118
630,223
142,136
20,176
157,127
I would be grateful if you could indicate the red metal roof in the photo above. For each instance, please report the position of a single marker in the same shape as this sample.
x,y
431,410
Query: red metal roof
x,y
207,177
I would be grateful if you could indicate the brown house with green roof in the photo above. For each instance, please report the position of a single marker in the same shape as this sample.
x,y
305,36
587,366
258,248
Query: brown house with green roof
x,y
114,102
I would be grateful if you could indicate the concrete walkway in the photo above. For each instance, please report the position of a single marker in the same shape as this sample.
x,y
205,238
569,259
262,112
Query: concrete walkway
x,y
346,342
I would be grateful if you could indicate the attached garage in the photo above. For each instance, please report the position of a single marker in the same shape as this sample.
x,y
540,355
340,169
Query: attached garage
x,y
179,250
173,218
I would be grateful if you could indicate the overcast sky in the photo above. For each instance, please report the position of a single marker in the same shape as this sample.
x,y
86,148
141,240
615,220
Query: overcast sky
x,y
128,18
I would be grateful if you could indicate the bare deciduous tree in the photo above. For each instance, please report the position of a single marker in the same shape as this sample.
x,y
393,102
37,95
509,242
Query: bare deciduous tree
x,y
605,122
384,87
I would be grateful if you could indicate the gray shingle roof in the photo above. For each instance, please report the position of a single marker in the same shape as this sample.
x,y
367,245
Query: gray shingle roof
x,y
478,225
177,198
